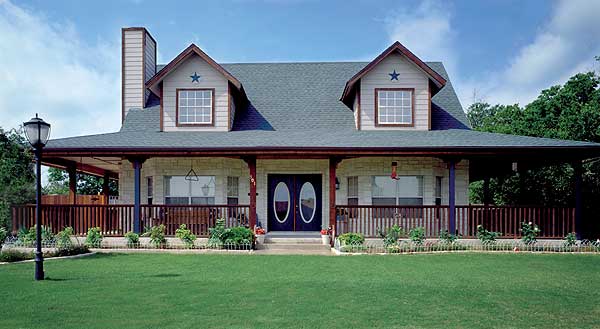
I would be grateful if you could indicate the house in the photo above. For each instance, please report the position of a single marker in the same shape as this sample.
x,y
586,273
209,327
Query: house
x,y
351,146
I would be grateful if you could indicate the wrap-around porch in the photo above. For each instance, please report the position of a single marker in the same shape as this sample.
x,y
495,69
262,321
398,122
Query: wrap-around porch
x,y
435,212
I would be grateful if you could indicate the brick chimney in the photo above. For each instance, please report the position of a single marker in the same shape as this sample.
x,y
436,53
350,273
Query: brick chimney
x,y
138,65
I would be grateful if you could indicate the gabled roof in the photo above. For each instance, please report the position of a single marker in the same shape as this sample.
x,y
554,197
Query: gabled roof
x,y
396,47
189,51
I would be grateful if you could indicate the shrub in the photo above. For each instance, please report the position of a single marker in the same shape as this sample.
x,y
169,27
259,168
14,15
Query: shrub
x,y
63,238
237,235
94,237
529,232
133,239
447,238
216,234
71,251
487,237
352,239
570,240
13,255
3,235
185,235
417,235
27,236
157,236
391,237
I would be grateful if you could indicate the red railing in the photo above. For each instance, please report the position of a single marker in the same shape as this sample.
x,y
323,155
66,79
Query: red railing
x,y
116,220
554,222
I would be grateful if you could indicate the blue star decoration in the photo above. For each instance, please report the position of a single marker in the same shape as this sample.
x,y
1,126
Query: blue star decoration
x,y
195,77
394,75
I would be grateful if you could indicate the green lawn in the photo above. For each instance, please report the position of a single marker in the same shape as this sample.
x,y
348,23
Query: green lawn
x,y
239,291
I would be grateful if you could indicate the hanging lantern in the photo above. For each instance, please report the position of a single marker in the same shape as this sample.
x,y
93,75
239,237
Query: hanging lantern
x,y
394,174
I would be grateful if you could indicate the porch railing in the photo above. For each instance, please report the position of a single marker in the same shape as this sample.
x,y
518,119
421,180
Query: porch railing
x,y
116,220
554,222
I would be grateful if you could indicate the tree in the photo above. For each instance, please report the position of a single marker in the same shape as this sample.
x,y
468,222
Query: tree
x,y
58,183
570,111
17,179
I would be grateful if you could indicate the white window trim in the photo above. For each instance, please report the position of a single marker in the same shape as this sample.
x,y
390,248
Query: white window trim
x,y
378,108
179,107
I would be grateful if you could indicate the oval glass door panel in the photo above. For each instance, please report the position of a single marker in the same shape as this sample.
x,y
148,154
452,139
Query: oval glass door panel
x,y
281,202
308,202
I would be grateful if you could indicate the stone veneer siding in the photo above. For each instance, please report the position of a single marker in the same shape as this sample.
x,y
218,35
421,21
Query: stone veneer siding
x,y
364,168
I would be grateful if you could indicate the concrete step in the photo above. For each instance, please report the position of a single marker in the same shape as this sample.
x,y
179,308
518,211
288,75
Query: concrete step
x,y
293,246
292,240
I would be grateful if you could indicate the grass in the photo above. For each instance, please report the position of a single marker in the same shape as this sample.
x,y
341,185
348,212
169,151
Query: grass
x,y
470,290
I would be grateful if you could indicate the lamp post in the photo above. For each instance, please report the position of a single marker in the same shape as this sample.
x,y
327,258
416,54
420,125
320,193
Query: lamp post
x,y
38,132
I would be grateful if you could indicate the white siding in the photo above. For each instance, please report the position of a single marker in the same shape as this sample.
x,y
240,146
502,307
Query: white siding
x,y
149,61
209,78
356,109
410,77
139,65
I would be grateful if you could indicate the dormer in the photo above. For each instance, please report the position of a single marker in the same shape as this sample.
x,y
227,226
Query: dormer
x,y
196,93
393,92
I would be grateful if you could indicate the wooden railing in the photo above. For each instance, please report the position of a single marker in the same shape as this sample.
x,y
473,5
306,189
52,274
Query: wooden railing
x,y
116,220
554,222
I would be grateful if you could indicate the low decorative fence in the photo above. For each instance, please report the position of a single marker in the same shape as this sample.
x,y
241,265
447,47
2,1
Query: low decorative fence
x,y
116,220
554,222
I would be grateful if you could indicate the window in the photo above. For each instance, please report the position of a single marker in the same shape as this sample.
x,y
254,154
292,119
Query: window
x,y
353,190
194,106
150,186
233,190
394,106
178,190
405,191
438,190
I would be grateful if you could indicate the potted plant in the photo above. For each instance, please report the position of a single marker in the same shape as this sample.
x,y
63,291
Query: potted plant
x,y
259,232
325,236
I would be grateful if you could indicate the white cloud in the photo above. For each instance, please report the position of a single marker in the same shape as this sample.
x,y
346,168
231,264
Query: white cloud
x,y
47,68
426,31
565,45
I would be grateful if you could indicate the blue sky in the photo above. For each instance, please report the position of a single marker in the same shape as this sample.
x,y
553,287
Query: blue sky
x,y
62,58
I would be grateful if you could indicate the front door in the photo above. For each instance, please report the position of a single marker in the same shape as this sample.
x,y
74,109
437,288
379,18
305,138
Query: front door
x,y
294,202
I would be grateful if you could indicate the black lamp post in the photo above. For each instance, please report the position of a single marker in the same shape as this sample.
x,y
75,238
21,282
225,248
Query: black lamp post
x,y
38,132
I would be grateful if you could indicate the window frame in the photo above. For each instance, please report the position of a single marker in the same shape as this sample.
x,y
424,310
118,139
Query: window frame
x,y
412,108
235,196
350,180
397,196
189,196
200,124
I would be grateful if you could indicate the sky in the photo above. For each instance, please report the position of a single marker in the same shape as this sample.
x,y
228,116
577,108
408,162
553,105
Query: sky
x,y
61,59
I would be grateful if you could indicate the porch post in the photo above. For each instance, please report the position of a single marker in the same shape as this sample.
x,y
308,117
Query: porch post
x,y
451,197
72,171
333,163
486,191
578,173
251,161
137,169
105,189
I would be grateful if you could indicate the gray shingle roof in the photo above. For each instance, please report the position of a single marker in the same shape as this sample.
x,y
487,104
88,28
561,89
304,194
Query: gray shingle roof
x,y
297,105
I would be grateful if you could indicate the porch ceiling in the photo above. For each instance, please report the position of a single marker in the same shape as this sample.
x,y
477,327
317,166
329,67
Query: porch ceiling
x,y
91,165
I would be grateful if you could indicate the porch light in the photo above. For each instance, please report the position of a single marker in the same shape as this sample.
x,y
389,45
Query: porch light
x,y
38,132
394,174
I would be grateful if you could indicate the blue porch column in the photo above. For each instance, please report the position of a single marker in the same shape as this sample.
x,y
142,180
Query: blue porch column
x,y
451,197
137,187
578,173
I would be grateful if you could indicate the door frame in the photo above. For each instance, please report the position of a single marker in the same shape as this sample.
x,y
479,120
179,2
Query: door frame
x,y
323,207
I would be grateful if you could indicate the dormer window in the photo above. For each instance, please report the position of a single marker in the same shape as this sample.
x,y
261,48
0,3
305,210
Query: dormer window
x,y
195,107
394,106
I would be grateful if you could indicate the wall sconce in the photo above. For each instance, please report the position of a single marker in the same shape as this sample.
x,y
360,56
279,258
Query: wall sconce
x,y
394,174
337,183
